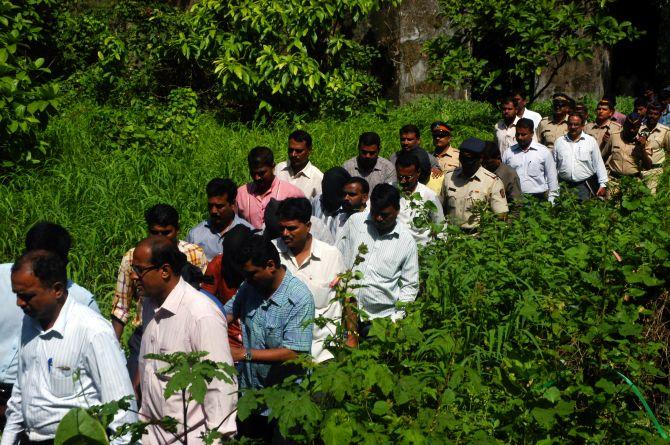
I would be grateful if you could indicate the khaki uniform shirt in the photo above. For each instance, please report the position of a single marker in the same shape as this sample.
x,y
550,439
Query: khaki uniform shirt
x,y
598,131
548,131
658,143
449,160
461,195
621,159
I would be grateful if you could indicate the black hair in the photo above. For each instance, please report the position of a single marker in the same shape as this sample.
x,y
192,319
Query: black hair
x,y
365,186
259,250
301,136
526,123
260,157
581,116
507,99
491,150
655,105
406,159
295,208
221,187
640,101
47,266
162,215
49,236
369,138
409,129
384,195
164,251
521,93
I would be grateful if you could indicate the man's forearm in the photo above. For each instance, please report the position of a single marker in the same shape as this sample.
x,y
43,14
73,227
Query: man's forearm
x,y
273,355
118,327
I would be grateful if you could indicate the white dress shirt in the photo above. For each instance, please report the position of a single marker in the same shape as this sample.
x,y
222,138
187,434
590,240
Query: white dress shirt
x,y
187,321
407,213
308,179
532,115
391,266
505,136
319,271
76,364
578,160
11,317
535,167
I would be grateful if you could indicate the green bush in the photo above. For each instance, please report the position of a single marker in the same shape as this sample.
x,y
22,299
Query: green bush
x,y
27,96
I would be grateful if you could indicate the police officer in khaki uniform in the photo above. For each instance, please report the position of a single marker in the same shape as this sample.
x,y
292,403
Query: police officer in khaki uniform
x,y
622,149
445,153
604,125
551,128
655,138
472,183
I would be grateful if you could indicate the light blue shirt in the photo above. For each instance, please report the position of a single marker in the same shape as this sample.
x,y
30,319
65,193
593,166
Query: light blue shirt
x,y
285,320
535,167
11,318
391,266
212,242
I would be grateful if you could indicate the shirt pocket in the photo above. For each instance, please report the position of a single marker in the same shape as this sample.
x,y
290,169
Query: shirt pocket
x,y
61,379
273,337
583,155
534,169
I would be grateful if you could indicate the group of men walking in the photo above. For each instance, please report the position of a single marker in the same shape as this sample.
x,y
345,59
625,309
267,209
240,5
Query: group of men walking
x,y
248,282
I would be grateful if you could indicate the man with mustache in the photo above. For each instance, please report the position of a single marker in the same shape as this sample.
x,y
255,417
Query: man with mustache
x,y
298,170
368,164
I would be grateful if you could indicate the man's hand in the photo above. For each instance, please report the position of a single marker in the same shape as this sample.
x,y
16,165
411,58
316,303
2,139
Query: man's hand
x,y
436,172
601,192
352,340
118,328
237,353
642,140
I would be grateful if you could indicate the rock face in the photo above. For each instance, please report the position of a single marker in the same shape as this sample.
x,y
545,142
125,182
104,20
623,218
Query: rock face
x,y
579,78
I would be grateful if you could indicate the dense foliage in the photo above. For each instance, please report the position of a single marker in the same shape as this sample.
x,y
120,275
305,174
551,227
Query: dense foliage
x,y
27,95
496,45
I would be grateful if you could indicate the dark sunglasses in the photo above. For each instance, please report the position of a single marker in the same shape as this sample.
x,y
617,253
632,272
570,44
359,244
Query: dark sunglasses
x,y
560,103
441,134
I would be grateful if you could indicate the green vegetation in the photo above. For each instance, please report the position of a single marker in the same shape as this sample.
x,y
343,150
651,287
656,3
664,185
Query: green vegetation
x,y
517,335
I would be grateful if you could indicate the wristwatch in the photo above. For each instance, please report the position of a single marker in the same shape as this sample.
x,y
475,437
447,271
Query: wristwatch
x,y
247,355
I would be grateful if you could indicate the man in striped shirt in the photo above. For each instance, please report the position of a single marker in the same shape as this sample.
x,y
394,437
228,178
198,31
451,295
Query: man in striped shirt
x,y
391,266
162,220
69,357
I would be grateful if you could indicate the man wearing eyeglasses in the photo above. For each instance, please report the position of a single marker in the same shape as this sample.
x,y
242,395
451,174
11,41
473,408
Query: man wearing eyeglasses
x,y
162,220
552,128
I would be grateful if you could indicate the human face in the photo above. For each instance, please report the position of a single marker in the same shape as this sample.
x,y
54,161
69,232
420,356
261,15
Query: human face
x,y
508,111
36,300
561,108
147,277
169,231
524,136
294,233
384,219
603,113
441,139
221,212
262,176
652,117
470,162
575,127
408,141
298,154
354,198
408,177
259,277
519,102
641,110
367,156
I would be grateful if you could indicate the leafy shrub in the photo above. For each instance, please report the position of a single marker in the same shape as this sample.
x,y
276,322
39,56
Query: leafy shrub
x,y
27,96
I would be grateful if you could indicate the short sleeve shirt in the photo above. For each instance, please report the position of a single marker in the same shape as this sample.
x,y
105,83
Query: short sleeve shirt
x,y
308,179
621,159
599,131
658,143
284,320
382,173
461,195
448,159
549,130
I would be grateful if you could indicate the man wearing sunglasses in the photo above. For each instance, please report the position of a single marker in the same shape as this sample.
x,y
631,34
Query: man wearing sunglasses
x,y
162,220
445,153
552,128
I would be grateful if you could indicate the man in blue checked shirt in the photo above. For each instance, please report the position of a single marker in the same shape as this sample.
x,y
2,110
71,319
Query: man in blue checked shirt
x,y
276,313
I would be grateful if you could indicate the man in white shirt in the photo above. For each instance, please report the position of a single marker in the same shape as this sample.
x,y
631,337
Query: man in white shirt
x,y
298,170
533,163
413,207
185,321
391,265
69,356
520,102
316,264
579,162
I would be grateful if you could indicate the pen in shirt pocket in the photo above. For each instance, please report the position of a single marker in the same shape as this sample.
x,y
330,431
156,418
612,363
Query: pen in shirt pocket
x,y
50,362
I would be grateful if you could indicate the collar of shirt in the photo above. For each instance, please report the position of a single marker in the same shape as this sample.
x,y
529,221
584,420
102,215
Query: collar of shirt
x,y
174,298
517,148
476,176
562,121
605,124
236,220
393,233
280,296
314,254
646,127
580,138
449,152
59,326
503,126
307,171
274,186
